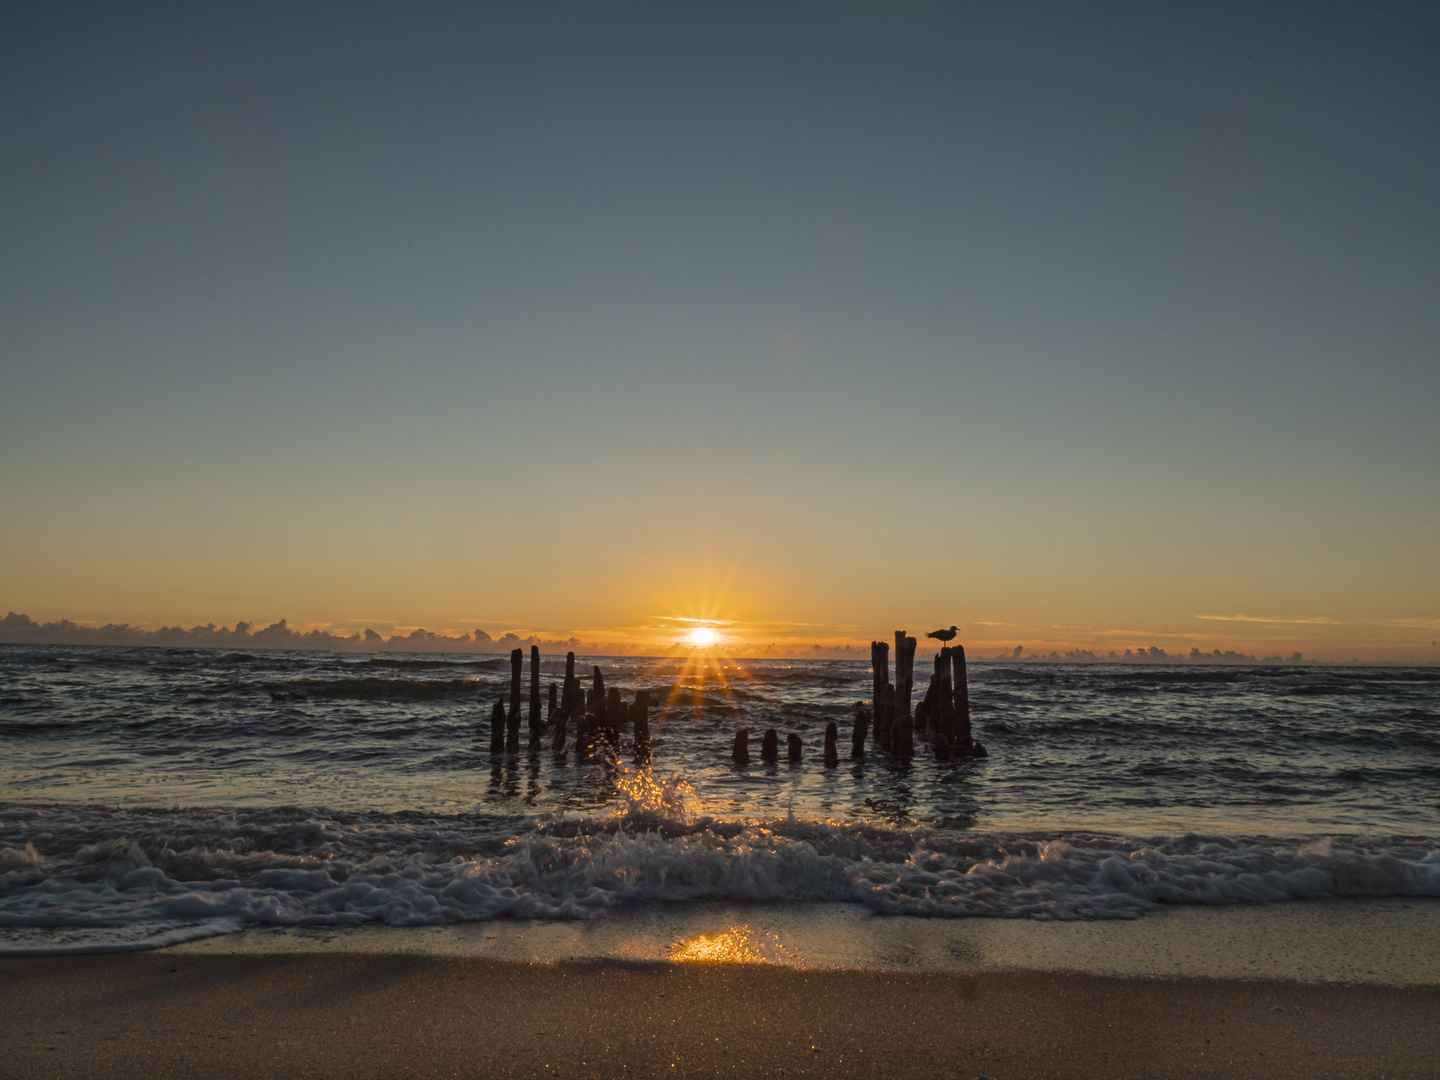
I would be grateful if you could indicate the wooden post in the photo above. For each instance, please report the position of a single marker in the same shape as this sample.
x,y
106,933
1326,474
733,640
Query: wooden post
x,y
557,731
792,746
512,732
517,663
962,744
832,755
595,703
925,711
497,728
857,736
567,688
770,746
945,696
902,736
879,680
534,692
741,753
904,678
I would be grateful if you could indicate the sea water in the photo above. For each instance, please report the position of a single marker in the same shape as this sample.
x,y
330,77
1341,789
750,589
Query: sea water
x,y
153,796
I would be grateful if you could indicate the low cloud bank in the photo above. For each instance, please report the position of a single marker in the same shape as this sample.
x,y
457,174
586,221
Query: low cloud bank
x,y
23,630
1153,655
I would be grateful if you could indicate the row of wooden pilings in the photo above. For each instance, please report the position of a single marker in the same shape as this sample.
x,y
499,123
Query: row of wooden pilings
x,y
598,717
942,718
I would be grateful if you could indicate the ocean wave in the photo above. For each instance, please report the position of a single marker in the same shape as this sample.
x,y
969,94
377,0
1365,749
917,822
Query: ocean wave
x,y
100,879
489,663
377,688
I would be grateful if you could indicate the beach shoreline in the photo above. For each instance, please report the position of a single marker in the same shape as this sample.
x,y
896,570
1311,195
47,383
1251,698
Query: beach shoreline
x,y
170,1013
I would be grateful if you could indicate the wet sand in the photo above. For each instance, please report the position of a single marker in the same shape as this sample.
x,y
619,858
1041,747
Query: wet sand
x,y
387,1015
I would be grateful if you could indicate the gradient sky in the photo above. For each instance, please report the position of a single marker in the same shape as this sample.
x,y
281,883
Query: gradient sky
x,y
1077,325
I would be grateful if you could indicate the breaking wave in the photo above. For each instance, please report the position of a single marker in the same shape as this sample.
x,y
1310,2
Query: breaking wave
x,y
100,880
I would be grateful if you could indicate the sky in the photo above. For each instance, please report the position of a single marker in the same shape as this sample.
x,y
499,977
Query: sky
x,y
1082,326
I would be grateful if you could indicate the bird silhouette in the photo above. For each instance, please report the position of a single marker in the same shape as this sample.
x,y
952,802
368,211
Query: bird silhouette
x,y
944,635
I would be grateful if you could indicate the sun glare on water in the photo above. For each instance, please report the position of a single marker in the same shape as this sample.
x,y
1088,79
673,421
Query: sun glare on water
x,y
702,635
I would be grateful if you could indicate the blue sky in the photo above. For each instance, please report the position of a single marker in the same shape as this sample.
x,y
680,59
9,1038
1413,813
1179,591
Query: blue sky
x,y
1078,322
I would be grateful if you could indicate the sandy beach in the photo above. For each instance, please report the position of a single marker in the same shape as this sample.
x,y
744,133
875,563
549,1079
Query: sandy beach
x,y
358,1015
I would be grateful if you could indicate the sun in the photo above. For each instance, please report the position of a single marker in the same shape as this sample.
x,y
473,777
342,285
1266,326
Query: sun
x,y
702,635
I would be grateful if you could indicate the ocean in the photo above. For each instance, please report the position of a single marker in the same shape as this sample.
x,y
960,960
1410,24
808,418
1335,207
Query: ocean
x,y
154,796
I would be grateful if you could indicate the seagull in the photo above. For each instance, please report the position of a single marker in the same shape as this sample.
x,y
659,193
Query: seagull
x,y
944,635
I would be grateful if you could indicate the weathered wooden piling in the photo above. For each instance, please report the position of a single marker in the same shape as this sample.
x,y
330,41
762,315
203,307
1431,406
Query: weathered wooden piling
x,y
741,753
961,741
879,680
904,677
597,689
572,700
517,664
857,736
512,732
832,754
770,746
535,720
557,731
497,728
792,746
902,737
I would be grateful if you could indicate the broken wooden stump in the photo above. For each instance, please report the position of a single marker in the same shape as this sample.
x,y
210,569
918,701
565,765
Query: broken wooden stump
x,y
961,739
595,703
535,724
512,732
517,662
904,677
557,731
879,681
832,755
615,716
741,752
792,746
770,746
497,728
857,736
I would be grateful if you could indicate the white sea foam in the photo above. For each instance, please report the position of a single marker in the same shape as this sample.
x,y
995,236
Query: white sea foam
x,y
156,881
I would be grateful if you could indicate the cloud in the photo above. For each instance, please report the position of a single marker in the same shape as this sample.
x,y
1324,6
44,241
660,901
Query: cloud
x,y
23,630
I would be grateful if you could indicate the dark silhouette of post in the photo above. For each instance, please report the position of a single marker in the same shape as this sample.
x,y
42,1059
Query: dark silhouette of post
x,y
497,728
741,753
770,746
857,736
880,680
832,753
904,678
595,703
517,663
792,746
567,688
962,743
534,692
